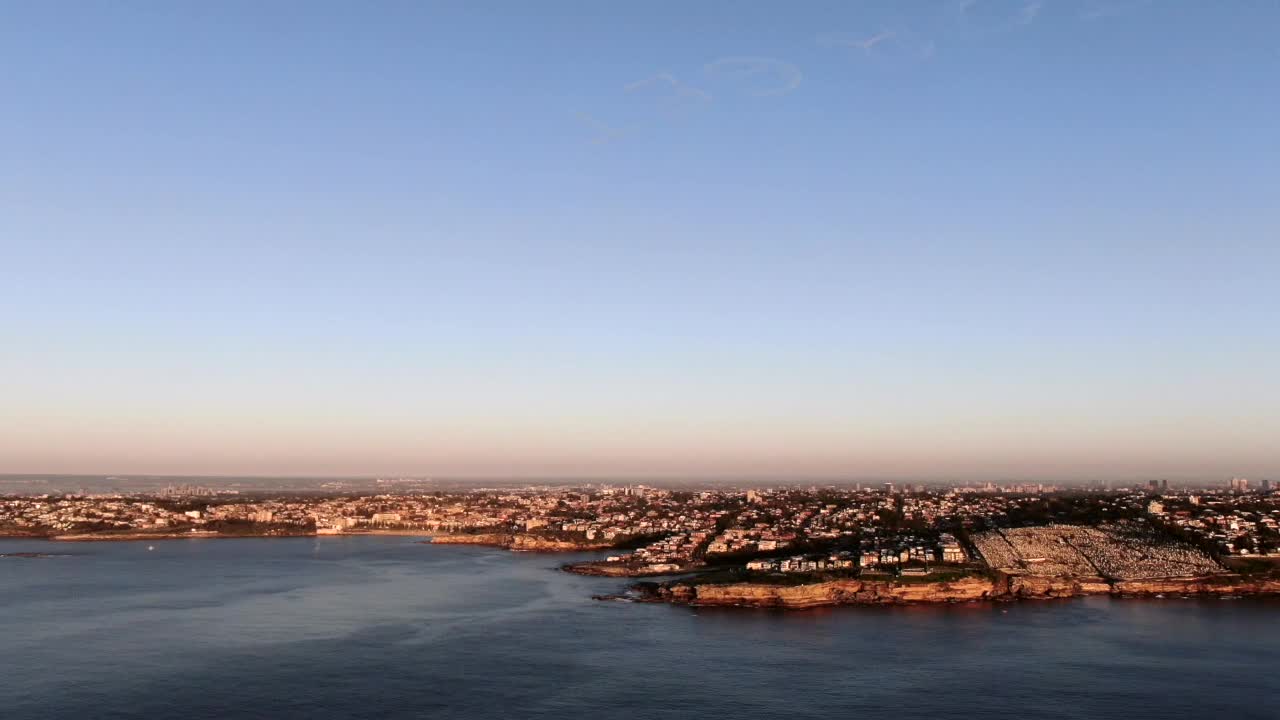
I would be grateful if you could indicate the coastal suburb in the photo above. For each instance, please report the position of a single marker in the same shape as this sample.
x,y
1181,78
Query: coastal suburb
x,y
787,546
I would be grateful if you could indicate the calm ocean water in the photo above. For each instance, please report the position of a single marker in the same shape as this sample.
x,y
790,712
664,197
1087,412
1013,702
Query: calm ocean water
x,y
382,627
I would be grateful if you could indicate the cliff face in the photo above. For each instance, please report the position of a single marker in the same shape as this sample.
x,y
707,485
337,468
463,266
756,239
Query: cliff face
x,y
888,592
1029,587
1216,585
835,592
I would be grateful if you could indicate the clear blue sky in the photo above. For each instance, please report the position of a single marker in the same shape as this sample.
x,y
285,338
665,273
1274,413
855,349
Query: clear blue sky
x,y
985,239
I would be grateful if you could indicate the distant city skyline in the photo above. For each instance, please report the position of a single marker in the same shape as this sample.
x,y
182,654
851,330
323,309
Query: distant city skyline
x,y
998,239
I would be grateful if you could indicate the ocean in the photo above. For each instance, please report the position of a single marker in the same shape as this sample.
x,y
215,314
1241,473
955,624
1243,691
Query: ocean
x,y
382,627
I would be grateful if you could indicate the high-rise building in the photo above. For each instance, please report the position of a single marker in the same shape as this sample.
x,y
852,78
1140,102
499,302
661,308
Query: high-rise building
x,y
1239,484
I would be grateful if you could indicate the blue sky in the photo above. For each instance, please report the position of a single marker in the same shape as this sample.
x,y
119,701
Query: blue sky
x,y
987,239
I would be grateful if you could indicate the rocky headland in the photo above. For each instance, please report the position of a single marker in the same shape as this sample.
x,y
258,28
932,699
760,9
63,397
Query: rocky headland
x,y
1000,587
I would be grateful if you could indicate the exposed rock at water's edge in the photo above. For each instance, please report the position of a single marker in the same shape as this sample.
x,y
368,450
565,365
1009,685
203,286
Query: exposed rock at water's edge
x,y
969,589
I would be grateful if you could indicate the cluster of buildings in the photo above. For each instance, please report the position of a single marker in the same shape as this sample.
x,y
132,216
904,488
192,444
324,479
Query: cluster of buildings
x,y
668,554
893,551
785,529
176,491
789,530
1228,523
161,514
41,515
803,564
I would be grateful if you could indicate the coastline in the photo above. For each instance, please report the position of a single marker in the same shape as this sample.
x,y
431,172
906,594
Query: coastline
x,y
518,542
1002,588
749,593
213,535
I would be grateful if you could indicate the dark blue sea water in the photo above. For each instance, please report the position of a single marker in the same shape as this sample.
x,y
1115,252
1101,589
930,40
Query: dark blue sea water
x,y
380,627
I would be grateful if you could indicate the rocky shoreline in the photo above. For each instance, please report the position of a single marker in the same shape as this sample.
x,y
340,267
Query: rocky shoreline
x,y
518,542
852,591
620,570
30,555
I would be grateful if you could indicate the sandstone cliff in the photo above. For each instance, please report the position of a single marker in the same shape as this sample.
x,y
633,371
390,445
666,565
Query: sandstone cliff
x,y
1214,585
834,592
891,592
1031,587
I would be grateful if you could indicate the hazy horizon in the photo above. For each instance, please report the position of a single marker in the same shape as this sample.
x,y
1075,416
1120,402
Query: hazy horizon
x,y
657,480
992,239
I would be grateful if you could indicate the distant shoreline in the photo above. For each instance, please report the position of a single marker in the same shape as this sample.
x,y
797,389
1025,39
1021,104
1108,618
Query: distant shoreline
x,y
519,542
138,536
511,541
